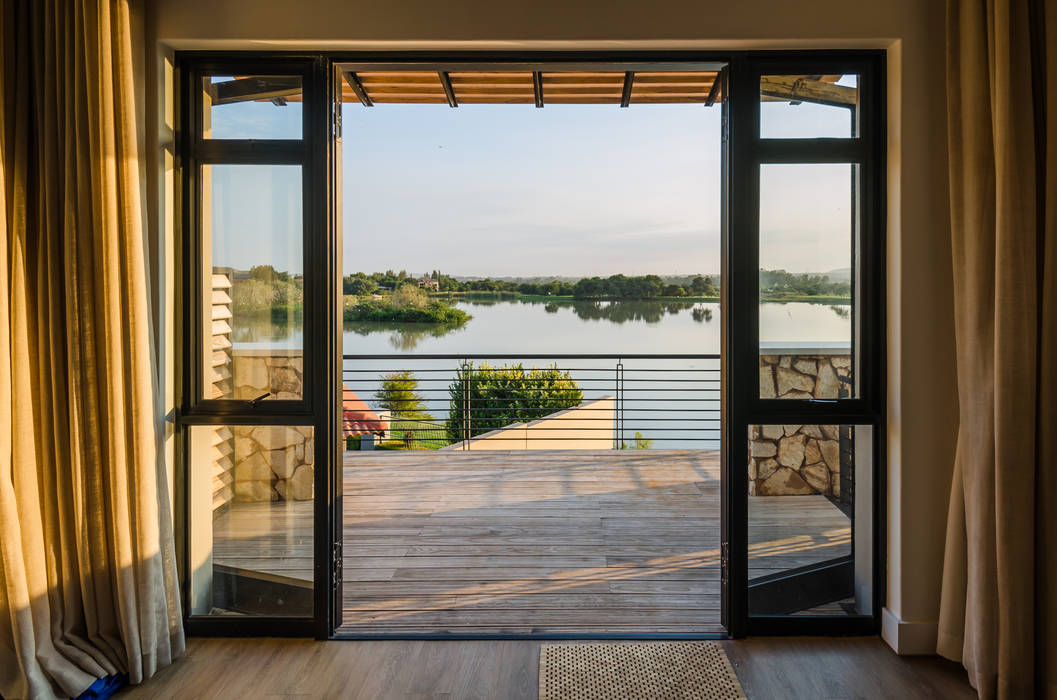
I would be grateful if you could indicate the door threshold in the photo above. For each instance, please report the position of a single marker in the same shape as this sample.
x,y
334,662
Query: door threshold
x,y
539,636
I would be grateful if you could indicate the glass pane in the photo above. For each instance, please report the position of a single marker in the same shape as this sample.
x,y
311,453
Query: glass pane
x,y
253,282
810,519
807,302
251,492
256,107
809,106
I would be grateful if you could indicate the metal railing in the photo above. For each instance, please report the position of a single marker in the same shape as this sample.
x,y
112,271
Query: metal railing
x,y
526,402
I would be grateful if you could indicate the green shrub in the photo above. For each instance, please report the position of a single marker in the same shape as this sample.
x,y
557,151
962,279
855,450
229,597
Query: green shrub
x,y
641,442
499,396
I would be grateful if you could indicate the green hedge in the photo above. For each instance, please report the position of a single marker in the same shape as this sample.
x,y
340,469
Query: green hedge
x,y
499,396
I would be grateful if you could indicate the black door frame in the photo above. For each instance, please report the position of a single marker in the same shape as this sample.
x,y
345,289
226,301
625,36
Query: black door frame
x,y
742,153
745,408
320,332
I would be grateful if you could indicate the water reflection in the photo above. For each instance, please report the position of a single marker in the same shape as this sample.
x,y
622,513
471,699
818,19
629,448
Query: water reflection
x,y
403,336
701,314
623,312
264,328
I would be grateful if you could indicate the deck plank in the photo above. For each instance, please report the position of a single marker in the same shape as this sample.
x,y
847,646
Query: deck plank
x,y
530,542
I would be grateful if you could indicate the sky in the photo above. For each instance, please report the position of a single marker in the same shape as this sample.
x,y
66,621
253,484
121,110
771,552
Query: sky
x,y
511,190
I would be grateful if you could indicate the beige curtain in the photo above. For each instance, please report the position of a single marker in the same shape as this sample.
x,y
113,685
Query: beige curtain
x,y
87,578
999,601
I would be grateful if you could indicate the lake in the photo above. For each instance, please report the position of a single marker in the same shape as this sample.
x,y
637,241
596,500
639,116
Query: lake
x,y
675,403
570,328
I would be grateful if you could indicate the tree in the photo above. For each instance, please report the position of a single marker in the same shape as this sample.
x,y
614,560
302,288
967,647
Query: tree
x,y
267,273
359,285
409,296
674,290
399,394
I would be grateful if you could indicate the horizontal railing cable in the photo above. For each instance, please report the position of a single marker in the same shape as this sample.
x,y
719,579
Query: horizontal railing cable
x,y
525,402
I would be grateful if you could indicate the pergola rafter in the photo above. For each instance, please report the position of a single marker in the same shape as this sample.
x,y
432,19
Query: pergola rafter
x,y
539,87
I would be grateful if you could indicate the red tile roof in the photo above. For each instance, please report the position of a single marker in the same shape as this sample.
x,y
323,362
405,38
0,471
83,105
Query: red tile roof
x,y
357,417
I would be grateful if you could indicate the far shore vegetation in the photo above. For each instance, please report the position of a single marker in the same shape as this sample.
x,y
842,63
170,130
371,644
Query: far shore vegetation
x,y
398,297
775,285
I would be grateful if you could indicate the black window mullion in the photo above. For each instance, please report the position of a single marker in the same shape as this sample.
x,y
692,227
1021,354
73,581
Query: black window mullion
x,y
251,152
823,150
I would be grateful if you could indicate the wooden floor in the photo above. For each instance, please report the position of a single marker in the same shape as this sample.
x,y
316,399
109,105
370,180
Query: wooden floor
x,y
532,542
456,670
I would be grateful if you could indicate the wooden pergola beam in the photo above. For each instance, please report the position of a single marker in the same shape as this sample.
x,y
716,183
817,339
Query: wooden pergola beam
x,y
251,89
629,81
800,89
713,92
537,88
357,87
449,91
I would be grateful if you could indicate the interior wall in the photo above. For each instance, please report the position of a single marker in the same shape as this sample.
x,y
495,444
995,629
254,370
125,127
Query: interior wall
x,y
922,408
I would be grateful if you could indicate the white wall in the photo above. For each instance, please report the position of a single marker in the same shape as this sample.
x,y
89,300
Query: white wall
x,y
922,398
587,426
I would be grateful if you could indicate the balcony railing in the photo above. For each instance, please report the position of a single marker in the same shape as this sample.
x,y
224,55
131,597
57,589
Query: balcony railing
x,y
533,402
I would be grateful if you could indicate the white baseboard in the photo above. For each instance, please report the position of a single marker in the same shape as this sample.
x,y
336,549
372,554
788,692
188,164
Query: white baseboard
x,y
908,638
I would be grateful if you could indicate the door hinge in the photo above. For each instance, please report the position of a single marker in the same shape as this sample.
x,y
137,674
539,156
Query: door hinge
x,y
337,120
724,562
336,566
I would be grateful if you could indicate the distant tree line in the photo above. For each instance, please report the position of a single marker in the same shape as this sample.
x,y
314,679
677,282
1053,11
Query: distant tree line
x,y
778,283
613,287
641,287
362,284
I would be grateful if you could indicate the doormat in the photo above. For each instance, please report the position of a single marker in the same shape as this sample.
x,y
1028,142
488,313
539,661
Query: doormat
x,y
639,670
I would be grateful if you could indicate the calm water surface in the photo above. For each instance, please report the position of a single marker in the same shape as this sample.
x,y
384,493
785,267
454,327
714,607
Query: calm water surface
x,y
569,328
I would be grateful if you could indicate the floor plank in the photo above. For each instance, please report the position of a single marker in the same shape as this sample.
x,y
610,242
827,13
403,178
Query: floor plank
x,y
456,670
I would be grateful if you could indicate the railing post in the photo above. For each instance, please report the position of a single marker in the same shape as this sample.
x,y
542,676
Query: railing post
x,y
465,405
619,400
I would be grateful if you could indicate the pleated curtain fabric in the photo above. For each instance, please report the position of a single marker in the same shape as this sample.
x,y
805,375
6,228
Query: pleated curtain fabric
x,y
999,598
88,584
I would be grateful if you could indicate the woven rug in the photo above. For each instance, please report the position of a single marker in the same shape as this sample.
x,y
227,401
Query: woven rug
x,y
637,671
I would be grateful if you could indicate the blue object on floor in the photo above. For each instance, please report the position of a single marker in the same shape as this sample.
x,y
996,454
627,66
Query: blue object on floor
x,y
104,687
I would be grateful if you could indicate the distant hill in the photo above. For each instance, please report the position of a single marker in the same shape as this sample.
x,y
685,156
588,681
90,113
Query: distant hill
x,y
842,274
541,279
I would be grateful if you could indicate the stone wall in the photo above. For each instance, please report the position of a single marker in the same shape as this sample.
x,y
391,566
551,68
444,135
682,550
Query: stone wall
x,y
801,459
805,376
259,370
797,460
272,463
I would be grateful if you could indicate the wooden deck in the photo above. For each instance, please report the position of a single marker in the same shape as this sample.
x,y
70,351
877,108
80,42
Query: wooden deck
x,y
532,542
